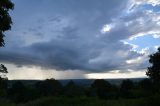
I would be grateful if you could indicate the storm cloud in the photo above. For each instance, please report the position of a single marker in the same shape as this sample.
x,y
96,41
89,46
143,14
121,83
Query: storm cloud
x,y
79,35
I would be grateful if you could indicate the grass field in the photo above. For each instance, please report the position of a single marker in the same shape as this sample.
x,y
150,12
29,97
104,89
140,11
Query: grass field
x,y
87,101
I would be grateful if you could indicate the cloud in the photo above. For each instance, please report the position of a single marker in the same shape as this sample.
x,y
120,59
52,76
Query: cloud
x,y
37,73
153,2
116,74
77,35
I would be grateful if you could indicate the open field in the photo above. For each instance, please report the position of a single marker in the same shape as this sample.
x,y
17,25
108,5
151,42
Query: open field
x,y
87,101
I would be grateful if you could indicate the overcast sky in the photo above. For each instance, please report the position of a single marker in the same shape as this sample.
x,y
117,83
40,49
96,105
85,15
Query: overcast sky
x,y
66,39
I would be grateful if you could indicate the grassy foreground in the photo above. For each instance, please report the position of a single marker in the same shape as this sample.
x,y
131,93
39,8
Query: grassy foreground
x,y
87,101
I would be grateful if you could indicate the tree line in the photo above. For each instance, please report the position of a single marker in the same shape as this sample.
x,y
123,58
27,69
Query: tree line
x,y
19,92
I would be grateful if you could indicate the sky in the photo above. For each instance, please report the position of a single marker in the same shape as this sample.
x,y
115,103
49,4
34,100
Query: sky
x,y
75,39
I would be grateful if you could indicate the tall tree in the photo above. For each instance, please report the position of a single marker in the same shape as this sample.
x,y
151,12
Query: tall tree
x,y
5,19
5,24
3,69
154,70
125,88
102,88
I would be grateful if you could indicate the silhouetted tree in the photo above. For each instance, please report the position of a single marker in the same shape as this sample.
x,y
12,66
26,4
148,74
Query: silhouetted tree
x,y
126,84
17,92
3,80
71,89
145,84
103,89
125,88
3,83
143,88
4,71
5,19
5,24
154,70
49,87
3,86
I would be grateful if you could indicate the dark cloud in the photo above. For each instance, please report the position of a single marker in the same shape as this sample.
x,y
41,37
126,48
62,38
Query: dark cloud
x,y
68,55
67,35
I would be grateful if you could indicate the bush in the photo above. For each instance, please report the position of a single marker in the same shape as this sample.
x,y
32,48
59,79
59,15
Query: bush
x,y
49,87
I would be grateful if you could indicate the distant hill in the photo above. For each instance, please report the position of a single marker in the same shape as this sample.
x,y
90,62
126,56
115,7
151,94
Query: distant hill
x,y
81,82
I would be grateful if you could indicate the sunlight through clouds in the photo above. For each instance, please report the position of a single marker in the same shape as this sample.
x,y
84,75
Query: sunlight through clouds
x,y
153,2
106,28
132,74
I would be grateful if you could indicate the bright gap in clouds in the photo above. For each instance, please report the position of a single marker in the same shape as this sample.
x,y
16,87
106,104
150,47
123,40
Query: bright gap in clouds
x,y
131,74
106,28
36,73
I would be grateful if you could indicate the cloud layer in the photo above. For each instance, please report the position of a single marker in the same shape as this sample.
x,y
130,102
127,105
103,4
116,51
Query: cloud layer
x,y
80,35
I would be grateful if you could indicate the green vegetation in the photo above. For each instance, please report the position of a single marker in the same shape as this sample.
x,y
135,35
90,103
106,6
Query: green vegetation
x,y
154,70
87,101
50,92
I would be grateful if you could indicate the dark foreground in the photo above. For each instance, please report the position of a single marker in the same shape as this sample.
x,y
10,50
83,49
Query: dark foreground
x,y
87,101
51,92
